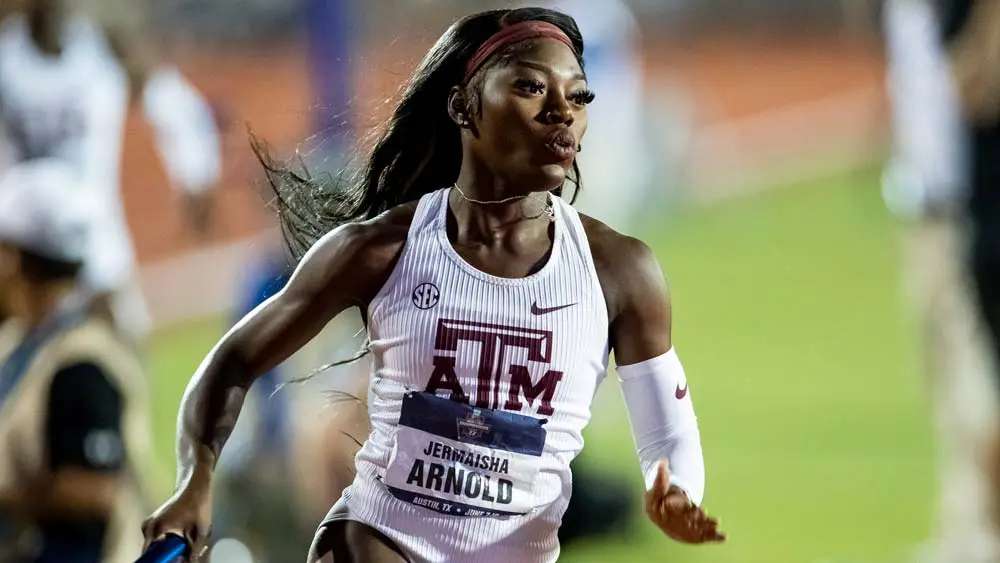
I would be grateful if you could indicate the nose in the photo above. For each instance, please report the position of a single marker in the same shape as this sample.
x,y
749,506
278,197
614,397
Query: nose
x,y
558,111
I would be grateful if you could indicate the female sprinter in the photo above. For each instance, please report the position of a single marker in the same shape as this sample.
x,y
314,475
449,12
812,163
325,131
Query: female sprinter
x,y
491,307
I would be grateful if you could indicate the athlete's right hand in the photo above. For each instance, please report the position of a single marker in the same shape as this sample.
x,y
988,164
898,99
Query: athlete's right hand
x,y
187,514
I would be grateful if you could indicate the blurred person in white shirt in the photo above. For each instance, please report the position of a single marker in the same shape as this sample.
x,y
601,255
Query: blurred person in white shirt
x,y
68,73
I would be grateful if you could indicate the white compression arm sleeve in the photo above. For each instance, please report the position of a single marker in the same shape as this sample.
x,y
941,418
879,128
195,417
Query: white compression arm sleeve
x,y
663,422
186,135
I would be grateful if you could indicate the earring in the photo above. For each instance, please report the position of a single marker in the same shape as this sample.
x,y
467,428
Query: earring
x,y
579,148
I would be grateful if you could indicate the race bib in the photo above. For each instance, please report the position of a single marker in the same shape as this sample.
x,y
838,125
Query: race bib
x,y
457,459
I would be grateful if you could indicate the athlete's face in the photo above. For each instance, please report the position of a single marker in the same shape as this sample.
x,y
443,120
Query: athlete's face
x,y
534,115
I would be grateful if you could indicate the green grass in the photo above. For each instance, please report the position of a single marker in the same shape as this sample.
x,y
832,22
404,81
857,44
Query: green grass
x,y
788,319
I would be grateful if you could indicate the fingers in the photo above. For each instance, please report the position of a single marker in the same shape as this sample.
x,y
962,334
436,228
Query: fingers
x,y
699,527
705,529
150,532
154,531
683,521
662,481
660,488
146,533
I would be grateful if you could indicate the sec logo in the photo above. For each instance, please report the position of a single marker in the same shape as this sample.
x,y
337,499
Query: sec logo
x,y
426,295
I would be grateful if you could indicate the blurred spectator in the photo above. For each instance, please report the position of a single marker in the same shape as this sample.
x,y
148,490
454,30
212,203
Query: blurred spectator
x,y
73,406
254,503
972,35
265,280
330,31
928,183
67,74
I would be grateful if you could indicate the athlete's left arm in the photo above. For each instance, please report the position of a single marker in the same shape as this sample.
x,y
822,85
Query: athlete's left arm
x,y
187,136
656,391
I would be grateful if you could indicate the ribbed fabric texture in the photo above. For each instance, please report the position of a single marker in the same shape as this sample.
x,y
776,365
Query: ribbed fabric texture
x,y
437,305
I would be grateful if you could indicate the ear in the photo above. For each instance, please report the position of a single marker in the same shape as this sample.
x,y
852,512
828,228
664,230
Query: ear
x,y
458,108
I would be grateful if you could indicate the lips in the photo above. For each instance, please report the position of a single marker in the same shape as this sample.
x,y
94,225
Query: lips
x,y
562,143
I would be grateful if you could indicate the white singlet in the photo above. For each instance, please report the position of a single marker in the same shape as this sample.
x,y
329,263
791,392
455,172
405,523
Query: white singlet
x,y
487,475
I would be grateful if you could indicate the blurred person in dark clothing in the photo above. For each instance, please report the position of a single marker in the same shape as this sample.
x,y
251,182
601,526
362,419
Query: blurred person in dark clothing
x,y
73,410
944,81
972,34
926,185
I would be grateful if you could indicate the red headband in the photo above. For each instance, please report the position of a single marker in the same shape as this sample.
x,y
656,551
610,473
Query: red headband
x,y
511,34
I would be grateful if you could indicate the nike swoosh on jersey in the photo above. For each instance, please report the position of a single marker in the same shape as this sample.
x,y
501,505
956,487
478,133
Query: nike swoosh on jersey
x,y
536,310
681,393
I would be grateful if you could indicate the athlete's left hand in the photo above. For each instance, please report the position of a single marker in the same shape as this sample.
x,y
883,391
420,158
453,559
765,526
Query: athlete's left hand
x,y
670,509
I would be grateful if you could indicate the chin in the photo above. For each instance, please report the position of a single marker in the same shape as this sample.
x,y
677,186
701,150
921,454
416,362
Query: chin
x,y
551,176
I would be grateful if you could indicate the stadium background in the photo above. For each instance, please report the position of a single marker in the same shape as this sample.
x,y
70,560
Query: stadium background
x,y
782,258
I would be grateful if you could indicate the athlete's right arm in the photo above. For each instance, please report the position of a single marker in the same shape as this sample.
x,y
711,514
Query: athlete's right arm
x,y
344,269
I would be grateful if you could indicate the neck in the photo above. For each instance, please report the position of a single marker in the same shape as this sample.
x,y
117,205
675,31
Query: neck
x,y
489,217
46,31
39,302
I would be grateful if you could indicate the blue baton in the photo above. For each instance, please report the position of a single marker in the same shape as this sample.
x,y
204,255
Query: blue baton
x,y
171,549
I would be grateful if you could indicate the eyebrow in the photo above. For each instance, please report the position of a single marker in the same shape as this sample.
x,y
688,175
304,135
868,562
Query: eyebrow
x,y
548,69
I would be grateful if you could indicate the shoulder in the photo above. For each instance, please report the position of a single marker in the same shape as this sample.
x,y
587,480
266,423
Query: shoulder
x,y
84,420
387,232
613,250
372,244
362,254
81,374
82,383
627,268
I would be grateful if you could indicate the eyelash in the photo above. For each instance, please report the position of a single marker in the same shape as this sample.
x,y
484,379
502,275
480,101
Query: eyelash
x,y
531,86
581,97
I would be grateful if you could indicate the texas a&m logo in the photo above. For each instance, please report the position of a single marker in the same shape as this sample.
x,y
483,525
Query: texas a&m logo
x,y
495,343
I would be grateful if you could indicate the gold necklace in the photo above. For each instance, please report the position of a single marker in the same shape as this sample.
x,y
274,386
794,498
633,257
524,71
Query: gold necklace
x,y
549,209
